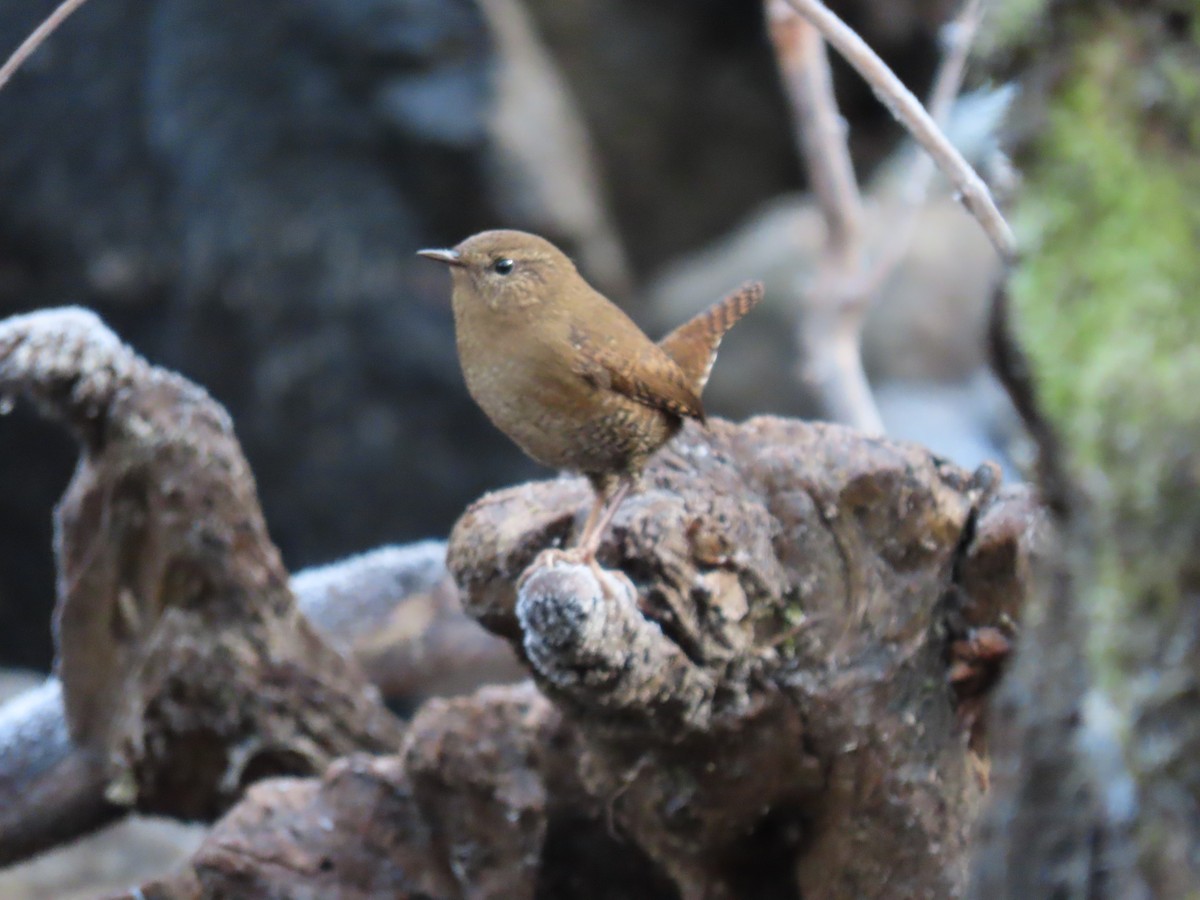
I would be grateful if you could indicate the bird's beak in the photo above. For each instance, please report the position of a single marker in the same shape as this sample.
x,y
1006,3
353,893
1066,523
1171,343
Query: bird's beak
x,y
449,257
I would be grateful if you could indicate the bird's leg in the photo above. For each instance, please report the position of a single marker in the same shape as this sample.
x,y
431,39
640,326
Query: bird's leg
x,y
602,487
610,492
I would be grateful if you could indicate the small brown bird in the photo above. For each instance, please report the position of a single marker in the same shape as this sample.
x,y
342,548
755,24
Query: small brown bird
x,y
565,373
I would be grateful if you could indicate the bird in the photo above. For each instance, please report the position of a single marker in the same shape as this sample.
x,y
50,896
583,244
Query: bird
x,y
566,374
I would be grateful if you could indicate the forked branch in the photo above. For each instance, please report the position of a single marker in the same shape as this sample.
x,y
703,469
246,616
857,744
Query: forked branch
x,y
908,110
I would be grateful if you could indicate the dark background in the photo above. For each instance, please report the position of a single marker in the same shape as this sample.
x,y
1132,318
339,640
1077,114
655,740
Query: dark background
x,y
239,188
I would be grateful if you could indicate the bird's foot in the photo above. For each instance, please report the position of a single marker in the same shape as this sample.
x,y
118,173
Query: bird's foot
x,y
571,556
608,579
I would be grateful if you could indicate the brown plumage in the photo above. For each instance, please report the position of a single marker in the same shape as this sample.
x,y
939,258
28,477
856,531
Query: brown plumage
x,y
693,345
565,373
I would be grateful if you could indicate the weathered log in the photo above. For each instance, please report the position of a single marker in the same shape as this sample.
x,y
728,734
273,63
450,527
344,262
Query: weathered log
x,y
753,700
482,802
51,789
395,610
462,806
186,669
782,655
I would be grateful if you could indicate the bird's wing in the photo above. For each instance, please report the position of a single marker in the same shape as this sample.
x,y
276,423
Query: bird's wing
x,y
637,369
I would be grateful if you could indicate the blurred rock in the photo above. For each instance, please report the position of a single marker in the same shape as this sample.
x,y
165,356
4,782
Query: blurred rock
x,y
687,113
926,325
970,423
929,322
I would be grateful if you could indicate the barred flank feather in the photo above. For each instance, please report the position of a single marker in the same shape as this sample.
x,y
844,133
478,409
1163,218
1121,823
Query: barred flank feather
x,y
693,345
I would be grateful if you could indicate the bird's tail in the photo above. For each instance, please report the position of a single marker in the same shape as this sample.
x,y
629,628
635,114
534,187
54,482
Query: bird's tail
x,y
693,345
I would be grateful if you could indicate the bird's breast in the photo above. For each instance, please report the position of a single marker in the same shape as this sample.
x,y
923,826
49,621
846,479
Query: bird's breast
x,y
527,384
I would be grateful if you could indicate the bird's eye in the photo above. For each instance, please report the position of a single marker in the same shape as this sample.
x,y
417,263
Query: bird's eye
x,y
502,266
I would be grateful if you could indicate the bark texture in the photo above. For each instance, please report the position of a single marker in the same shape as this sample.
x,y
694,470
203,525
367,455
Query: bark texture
x,y
756,698
479,803
185,664
395,610
771,657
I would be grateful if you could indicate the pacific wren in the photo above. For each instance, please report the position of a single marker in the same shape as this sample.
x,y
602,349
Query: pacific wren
x,y
565,373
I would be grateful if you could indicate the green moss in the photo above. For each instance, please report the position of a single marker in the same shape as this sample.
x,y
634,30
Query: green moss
x,y
1009,25
1109,307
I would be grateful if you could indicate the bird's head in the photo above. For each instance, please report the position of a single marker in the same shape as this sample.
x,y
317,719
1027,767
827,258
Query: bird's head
x,y
505,269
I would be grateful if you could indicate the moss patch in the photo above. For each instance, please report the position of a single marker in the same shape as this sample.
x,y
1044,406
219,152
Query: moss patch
x,y
1109,302
1009,26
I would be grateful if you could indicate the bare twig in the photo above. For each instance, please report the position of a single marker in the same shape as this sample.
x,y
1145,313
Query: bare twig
x,y
1010,363
821,129
957,37
834,305
900,101
37,38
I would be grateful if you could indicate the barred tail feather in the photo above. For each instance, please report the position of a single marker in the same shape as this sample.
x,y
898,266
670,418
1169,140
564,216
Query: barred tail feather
x,y
693,345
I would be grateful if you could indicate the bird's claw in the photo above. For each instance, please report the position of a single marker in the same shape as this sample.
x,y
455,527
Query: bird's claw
x,y
577,556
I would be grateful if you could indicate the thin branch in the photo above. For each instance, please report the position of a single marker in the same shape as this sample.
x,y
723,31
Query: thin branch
x,y
38,37
900,101
820,126
834,304
957,38
1010,363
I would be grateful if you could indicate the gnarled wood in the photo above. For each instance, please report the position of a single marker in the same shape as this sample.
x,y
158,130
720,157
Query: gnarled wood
x,y
395,610
186,667
753,700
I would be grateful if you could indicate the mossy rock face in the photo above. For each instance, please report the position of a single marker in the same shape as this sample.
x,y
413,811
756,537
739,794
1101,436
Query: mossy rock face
x,y
1108,302
1110,297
